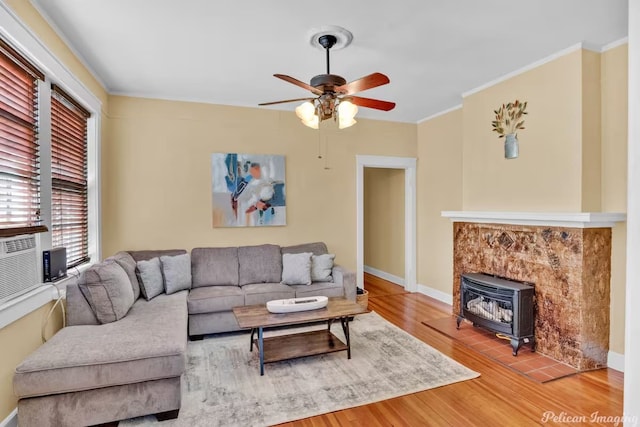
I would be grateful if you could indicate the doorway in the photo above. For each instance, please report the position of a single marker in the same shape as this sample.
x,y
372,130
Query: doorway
x,y
384,223
409,166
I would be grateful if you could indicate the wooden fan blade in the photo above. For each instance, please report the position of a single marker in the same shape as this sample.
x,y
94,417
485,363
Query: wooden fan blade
x,y
372,103
367,82
298,83
288,100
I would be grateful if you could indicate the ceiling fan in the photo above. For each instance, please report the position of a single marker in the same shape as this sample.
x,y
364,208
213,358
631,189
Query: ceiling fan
x,y
334,94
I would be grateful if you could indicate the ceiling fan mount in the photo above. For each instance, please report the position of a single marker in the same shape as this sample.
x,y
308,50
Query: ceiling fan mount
x,y
327,82
331,90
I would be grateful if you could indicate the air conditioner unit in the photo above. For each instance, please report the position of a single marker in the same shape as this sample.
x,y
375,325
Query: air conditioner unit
x,y
18,266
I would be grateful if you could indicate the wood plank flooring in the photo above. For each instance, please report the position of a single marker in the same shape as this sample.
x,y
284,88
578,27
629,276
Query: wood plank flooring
x,y
498,397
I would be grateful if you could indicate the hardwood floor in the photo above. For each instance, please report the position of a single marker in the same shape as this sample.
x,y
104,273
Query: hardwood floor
x,y
498,397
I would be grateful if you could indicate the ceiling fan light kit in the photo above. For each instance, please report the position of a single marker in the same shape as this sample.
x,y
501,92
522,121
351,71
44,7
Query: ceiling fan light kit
x,y
333,95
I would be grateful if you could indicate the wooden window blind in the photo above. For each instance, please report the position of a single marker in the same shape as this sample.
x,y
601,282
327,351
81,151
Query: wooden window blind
x,y
69,213
19,153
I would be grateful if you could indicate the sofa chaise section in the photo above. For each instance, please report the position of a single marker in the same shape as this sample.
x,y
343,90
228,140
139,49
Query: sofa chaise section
x,y
90,373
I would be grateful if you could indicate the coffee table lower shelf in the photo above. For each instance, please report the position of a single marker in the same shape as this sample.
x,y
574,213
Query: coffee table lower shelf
x,y
303,344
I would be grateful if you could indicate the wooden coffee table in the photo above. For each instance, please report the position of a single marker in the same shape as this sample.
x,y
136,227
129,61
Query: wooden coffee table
x,y
291,346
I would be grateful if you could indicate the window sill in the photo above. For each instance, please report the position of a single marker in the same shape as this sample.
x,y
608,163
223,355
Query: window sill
x,y
25,304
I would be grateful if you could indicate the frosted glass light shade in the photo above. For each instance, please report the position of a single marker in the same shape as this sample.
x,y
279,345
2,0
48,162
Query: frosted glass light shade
x,y
313,122
347,110
345,123
306,111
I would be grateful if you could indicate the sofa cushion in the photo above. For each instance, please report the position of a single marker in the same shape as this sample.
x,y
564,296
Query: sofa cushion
x,y
260,293
135,349
176,271
150,278
321,266
128,264
316,248
107,289
147,255
260,264
214,266
327,289
296,269
212,299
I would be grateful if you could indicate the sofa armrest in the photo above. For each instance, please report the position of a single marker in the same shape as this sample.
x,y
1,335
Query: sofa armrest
x,y
347,279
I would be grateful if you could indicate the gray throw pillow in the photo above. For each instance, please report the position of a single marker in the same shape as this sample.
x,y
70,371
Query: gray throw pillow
x,y
128,264
150,278
107,289
321,267
296,269
177,272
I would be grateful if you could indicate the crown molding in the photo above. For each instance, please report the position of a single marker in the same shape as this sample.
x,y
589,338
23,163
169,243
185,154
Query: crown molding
x,y
441,113
614,44
70,46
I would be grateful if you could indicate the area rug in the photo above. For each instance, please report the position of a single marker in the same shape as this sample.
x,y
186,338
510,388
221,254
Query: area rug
x,y
223,386
533,365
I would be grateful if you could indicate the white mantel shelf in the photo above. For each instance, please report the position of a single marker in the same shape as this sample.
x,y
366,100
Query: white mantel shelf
x,y
549,219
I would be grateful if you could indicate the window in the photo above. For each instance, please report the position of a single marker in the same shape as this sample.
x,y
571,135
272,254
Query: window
x,y
69,212
19,154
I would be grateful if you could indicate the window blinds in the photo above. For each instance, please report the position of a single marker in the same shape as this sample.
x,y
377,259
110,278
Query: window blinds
x,y
69,216
19,156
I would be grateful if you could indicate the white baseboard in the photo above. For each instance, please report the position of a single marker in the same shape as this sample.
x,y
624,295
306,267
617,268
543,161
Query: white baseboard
x,y
384,275
11,420
436,294
615,361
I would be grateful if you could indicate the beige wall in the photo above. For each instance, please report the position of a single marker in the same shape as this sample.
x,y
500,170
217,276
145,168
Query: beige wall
x,y
591,132
614,74
17,340
157,174
439,187
384,220
548,174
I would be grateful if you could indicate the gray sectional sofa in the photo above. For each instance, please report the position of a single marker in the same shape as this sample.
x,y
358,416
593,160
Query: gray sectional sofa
x,y
122,356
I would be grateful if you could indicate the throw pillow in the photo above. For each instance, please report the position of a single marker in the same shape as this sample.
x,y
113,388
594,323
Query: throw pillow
x,y
321,267
107,289
128,264
150,278
177,272
296,269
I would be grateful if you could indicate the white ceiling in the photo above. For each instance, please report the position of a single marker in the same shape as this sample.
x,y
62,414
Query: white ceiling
x,y
226,52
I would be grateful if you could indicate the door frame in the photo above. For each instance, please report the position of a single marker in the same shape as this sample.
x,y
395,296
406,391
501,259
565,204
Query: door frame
x,y
408,164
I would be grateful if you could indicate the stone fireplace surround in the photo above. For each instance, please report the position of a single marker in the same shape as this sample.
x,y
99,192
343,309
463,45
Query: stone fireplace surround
x,y
567,256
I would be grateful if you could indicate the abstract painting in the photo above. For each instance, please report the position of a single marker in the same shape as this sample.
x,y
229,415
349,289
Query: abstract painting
x,y
248,190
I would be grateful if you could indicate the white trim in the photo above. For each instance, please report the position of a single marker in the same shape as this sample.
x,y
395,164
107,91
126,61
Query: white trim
x,y
384,275
526,68
11,420
436,294
614,44
441,113
410,258
67,42
22,305
615,361
21,36
551,219
631,409
28,44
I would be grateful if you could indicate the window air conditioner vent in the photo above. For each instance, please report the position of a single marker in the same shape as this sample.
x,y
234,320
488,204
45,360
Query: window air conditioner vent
x,y
18,266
